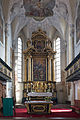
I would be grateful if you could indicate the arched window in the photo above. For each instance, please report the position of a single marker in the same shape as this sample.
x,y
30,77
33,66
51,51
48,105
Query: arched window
x,y
57,60
19,60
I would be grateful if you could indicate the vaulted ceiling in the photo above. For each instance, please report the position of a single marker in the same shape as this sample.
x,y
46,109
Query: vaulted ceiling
x,y
30,15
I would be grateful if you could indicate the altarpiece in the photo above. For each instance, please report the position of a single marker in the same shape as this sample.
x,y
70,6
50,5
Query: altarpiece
x,y
39,83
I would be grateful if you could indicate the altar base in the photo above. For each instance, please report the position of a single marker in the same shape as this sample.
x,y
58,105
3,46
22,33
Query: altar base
x,y
38,107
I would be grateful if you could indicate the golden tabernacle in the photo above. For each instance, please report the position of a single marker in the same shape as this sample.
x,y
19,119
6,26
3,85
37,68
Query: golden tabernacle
x,y
39,83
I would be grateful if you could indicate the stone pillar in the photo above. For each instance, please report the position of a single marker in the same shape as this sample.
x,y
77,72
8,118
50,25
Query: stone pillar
x,y
29,69
6,37
72,34
8,89
49,69
72,93
70,44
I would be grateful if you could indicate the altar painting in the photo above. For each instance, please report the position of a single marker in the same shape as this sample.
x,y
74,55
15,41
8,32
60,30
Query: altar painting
x,y
39,69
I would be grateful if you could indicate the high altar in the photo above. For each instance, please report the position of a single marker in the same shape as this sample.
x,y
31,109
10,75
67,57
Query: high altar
x,y
39,84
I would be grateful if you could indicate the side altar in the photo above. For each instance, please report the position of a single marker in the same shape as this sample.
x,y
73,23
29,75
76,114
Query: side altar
x,y
39,83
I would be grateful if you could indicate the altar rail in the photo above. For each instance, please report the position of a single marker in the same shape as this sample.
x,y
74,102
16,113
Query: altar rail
x,y
73,69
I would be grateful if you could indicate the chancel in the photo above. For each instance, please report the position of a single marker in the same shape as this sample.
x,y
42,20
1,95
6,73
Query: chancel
x,y
40,59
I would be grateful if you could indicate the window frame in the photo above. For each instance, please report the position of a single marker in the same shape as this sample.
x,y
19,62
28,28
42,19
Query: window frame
x,y
20,60
57,48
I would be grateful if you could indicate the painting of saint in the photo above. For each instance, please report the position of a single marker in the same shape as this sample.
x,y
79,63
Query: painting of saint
x,y
39,69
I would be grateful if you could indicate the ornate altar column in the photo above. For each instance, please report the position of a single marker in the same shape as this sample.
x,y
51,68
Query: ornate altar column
x,y
49,68
46,69
29,68
53,70
25,70
32,69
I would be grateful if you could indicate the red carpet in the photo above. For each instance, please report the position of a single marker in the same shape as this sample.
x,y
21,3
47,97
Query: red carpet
x,y
22,112
61,110
59,113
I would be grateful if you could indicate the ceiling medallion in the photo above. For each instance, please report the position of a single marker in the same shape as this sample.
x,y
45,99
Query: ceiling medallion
x,y
39,9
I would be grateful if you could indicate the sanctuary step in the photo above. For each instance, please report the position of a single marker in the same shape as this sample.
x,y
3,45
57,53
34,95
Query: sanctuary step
x,y
19,106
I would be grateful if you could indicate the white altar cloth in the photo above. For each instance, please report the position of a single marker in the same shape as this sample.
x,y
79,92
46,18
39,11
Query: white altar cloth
x,y
49,94
45,102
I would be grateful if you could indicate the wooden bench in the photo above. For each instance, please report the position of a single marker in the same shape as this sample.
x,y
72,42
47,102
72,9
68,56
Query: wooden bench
x,y
76,106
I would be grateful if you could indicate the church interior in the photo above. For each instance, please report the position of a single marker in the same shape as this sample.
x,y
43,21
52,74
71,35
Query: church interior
x,y
39,58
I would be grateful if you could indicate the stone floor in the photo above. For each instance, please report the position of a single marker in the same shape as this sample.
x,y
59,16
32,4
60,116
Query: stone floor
x,y
42,118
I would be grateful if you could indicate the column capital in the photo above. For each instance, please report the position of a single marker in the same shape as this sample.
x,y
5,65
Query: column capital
x,y
29,56
49,57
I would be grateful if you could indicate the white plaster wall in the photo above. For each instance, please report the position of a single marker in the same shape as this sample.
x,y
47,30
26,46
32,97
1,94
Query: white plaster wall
x,y
18,85
8,89
9,44
2,45
76,46
19,92
68,42
2,51
77,90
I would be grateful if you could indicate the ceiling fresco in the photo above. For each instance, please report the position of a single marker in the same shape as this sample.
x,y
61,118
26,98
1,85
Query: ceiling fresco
x,y
39,9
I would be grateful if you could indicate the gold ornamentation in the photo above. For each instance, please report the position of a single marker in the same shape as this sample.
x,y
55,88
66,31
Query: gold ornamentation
x,y
39,55
38,108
